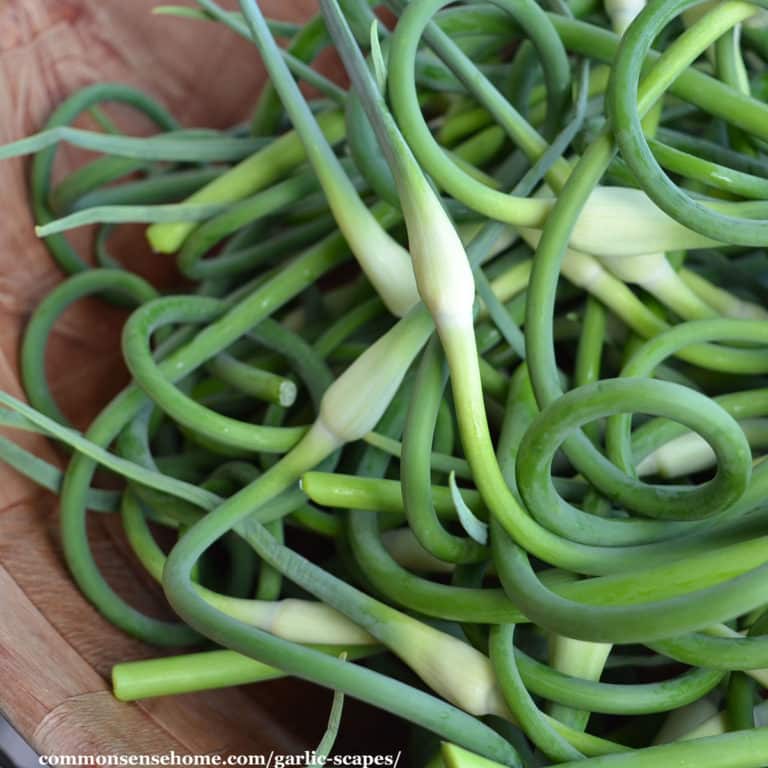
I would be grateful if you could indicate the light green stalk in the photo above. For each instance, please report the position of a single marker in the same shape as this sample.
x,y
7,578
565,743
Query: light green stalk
x,y
256,172
204,671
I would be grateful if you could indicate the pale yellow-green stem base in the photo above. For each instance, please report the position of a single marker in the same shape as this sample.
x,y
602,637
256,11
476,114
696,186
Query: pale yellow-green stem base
x,y
264,167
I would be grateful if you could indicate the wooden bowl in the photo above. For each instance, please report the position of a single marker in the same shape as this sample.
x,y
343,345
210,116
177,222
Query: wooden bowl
x,y
56,651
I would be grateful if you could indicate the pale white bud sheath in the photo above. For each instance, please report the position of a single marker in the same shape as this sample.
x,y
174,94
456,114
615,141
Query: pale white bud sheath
x,y
576,658
622,13
682,723
586,271
654,273
355,402
451,667
690,453
651,271
303,621
443,274
719,723
357,399
620,221
385,262
648,271
724,302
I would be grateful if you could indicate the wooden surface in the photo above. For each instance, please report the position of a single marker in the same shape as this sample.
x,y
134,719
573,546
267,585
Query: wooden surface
x,y
56,652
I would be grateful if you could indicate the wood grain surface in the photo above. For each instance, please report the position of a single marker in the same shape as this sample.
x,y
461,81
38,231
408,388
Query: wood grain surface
x,y
56,652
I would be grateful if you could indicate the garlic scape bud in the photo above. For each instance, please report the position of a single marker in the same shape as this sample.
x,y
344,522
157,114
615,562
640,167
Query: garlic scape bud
x,y
622,13
385,262
355,402
303,621
443,274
